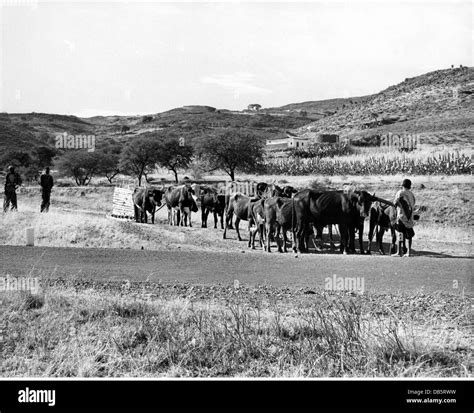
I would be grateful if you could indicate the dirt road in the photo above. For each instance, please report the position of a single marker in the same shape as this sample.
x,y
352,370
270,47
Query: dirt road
x,y
381,273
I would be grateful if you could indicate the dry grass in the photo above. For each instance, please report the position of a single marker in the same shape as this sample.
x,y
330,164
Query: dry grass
x,y
89,333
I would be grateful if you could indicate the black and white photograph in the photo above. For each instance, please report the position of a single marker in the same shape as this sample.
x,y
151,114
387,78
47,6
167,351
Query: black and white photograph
x,y
236,204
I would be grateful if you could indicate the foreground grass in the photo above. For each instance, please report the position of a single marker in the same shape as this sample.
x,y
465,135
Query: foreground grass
x,y
179,331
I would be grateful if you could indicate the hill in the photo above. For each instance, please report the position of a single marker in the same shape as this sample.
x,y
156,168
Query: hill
x,y
437,105
25,131
192,121
318,109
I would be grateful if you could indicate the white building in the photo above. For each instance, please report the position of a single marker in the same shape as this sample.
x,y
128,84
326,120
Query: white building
x,y
290,142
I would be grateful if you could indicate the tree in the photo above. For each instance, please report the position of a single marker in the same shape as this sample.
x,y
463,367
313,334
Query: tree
x,y
173,154
16,159
81,165
231,151
139,156
44,156
254,106
108,165
109,156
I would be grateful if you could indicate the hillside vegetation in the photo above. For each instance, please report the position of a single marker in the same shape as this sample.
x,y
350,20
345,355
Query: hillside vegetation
x,y
437,105
318,109
25,131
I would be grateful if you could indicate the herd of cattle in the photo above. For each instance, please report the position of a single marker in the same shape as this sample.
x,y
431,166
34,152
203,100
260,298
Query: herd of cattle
x,y
274,211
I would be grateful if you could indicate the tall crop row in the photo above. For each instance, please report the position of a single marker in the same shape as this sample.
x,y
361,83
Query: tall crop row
x,y
442,164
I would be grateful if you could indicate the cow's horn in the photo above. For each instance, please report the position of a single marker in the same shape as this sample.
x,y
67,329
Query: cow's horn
x,y
383,201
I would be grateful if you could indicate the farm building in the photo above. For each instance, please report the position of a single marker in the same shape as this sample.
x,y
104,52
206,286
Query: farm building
x,y
290,142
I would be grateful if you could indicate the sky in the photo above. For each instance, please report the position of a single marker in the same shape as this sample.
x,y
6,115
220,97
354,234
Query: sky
x,y
130,58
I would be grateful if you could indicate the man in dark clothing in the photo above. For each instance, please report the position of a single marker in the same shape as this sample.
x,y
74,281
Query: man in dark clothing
x,y
12,182
47,183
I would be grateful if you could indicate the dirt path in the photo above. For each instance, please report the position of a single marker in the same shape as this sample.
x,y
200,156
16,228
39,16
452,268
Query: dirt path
x,y
381,273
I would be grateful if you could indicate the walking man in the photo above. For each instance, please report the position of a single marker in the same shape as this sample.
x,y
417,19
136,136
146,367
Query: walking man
x,y
12,182
47,183
405,203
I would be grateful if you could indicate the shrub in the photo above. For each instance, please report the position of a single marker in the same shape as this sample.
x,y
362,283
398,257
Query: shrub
x,y
328,150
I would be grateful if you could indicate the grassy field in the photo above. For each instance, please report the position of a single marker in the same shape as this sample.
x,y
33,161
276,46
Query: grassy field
x,y
181,331
108,329
378,163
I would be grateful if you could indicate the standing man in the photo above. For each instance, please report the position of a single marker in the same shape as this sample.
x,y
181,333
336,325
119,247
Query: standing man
x,y
405,203
47,183
12,182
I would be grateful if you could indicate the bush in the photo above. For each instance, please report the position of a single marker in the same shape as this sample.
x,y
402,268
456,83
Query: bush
x,y
325,150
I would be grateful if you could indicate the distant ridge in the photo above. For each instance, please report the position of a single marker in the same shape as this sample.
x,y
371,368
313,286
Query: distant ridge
x,y
438,105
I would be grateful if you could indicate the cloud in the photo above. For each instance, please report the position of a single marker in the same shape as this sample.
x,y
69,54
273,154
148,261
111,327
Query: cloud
x,y
240,83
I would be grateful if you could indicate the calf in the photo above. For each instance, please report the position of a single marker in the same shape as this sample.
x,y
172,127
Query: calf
x,y
381,218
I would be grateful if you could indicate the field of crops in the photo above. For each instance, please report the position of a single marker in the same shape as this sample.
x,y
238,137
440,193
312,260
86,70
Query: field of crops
x,y
450,163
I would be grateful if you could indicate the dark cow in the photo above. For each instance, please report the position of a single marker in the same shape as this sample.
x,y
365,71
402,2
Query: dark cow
x,y
146,199
347,210
279,216
181,200
360,203
273,190
238,205
261,188
381,218
212,201
288,191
